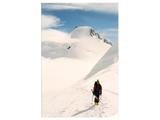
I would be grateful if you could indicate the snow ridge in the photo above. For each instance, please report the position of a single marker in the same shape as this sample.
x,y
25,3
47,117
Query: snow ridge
x,y
87,31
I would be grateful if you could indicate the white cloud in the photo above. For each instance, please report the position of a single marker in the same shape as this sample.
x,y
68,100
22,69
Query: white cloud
x,y
50,21
109,7
54,36
66,6
106,7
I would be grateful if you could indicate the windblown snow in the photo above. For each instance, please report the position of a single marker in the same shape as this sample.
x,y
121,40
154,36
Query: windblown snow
x,y
71,63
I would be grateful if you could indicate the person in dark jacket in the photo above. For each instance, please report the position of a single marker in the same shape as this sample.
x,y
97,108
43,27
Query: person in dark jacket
x,y
97,91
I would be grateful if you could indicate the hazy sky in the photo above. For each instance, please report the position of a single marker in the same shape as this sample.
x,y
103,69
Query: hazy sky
x,y
64,17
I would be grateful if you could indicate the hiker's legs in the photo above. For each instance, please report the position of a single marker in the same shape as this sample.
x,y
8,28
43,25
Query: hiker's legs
x,y
96,100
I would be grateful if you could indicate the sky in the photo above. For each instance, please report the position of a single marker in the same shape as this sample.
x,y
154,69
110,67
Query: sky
x,y
64,17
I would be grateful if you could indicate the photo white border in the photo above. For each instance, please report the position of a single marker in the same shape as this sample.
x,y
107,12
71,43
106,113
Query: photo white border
x,y
20,65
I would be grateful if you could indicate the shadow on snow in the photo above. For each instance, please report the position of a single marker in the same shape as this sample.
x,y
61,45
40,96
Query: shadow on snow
x,y
82,111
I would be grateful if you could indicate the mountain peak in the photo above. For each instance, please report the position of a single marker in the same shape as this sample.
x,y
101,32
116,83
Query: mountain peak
x,y
81,32
87,31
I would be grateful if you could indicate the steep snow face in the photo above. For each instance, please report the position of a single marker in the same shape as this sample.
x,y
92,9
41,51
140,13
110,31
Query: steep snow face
x,y
89,44
88,49
110,57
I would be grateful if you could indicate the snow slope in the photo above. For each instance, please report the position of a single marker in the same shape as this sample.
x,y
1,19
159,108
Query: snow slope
x,y
65,92
77,101
110,57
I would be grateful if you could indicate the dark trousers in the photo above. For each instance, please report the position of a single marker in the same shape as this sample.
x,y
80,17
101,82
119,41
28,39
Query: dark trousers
x,y
96,99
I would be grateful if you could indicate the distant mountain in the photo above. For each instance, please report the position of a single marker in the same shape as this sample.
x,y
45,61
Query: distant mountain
x,y
82,43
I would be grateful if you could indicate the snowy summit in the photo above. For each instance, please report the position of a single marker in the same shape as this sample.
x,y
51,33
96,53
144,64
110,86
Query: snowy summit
x,y
87,31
